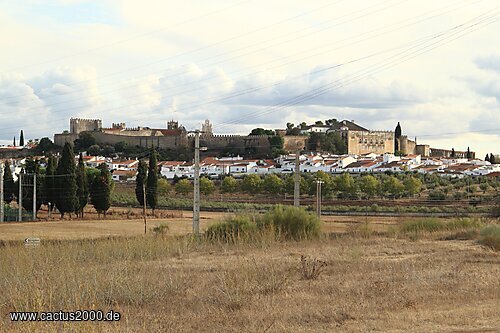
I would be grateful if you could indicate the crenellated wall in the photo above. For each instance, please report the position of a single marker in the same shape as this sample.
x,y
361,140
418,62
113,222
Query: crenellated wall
x,y
78,125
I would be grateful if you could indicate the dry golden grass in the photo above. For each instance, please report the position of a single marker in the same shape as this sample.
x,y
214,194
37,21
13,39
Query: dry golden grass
x,y
165,284
118,224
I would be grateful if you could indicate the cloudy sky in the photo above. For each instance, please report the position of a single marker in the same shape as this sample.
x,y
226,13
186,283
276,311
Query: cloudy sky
x,y
432,65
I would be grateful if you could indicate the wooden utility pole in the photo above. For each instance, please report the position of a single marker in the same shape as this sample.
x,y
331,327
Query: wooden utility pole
x,y
318,197
20,197
1,193
296,180
34,197
144,207
196,197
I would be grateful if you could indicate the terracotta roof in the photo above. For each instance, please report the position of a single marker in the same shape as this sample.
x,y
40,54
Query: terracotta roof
x,y
493,174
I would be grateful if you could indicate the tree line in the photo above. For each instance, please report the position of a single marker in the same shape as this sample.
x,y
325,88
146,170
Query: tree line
x,y
344,186
62,185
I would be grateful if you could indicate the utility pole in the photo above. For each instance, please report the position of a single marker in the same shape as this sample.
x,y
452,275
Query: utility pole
x,y
1,193
144,206
34,197
318,197
20,197
196,198
296,181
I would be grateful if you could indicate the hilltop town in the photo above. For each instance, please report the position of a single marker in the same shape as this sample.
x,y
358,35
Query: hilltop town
x,y
354,150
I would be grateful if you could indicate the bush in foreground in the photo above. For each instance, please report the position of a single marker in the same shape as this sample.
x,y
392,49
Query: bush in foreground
x,y
232,229
490,236
291,222
283,222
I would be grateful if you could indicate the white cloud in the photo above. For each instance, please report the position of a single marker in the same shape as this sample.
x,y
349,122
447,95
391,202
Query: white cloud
x,y
146,62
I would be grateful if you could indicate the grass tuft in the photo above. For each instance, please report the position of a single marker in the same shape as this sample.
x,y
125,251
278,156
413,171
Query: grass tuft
x,y
490,236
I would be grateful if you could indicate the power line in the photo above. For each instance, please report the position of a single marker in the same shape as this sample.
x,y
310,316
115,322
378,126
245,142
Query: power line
x,y
132,38
207,79
257,88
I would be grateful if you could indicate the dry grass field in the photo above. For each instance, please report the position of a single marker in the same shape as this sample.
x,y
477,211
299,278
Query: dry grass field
x,y
371,282
126,222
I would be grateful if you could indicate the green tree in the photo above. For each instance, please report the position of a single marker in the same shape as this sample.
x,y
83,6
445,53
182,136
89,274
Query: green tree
x,y
50,186
346,185
140,181
289,184
21,139
412,185
8,184
492,159
84,141
273,184
183,186
229,185
261,131
164,187
152,182
251,184
44,146
100,190
393,187
469,154
32,168
66,199
276,142
82,187
94,150
487,158
484,187
369,185
207,186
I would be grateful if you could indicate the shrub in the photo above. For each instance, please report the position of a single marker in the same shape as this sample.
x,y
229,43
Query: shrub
x,y
421,225
160,230
495,211
231,229
437,195
435,224
490,236
311,268
291,222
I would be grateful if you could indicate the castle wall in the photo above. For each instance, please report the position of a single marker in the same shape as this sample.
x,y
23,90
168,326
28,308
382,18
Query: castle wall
x,y
361,142
436,152
423,150
61,139
164,142
407,146
294,142
260,143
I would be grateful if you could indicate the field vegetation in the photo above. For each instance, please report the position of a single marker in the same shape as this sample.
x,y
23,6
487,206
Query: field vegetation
x,y
419,276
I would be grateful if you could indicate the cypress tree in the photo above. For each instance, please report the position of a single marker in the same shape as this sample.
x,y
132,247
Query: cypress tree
x,y
487,158
492,159
452,152
82,185
32,168
100,190
140,181
14,144
49,185
469,155
21,139
66,199
8,184
152,182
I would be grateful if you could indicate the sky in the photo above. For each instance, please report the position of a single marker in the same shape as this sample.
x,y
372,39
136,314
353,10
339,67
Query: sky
x,y
433,66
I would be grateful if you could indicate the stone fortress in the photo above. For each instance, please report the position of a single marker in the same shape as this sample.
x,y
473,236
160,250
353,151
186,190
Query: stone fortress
x,y
359,140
